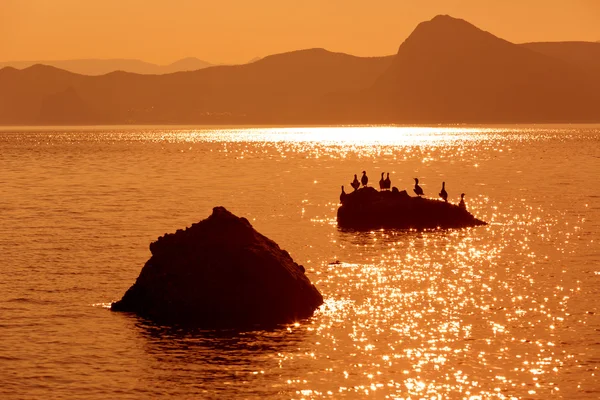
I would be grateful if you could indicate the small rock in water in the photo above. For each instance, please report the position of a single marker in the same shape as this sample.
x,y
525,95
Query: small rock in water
x,y
220,272
366,209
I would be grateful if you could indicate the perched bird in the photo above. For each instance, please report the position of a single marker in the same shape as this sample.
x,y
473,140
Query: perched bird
x,y
387,182
355,183
364,179
462,202
443,193
343,195
418,190
382,182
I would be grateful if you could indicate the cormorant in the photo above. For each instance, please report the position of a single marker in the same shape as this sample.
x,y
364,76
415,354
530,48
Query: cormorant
x,y
387,183
364,179
462,202
343,195
355,183
417,188
382,182
443,193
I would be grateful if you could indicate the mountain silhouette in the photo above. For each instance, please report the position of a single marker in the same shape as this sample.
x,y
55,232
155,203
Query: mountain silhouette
x,y
64,108
185,64
24,92
446,71
451,71
583,55
277,88
101,67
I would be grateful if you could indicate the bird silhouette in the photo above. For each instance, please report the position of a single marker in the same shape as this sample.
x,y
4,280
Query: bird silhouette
x,y
364,179
343,195
462,202
418,190
387,183
443,193
382,182
355,183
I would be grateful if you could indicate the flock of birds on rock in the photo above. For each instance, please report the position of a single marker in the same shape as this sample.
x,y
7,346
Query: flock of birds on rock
x,y
386,184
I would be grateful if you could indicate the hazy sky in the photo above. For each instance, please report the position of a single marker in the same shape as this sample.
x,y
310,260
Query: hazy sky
x,y
230,31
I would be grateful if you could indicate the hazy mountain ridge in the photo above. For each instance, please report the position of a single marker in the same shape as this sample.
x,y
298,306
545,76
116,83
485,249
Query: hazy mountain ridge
x,y
275,87
447,70
584,55
105,66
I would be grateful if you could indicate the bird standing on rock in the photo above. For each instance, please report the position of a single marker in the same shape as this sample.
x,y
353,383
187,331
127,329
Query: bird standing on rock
x,y
343,195
443,193
462,202
387,183
355,183
418,190
364,179
382,182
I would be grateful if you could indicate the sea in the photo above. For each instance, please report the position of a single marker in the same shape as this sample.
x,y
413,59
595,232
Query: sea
x,y
504,311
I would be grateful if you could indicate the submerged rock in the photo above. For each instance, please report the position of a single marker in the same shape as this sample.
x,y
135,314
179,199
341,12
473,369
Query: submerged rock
x,y
367,208
220,272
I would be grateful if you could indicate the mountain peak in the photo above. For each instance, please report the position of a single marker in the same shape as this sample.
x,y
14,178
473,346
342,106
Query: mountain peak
x,y
187,64
40,67
187,59
8,69
446,21
445,18
45,69
447,25
444,30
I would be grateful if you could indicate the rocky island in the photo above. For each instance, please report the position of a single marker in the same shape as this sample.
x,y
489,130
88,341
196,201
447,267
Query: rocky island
x,y
367,208
220,272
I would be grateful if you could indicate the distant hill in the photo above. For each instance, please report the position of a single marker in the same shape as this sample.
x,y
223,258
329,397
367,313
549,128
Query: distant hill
x,y
447,70
101,67
277,88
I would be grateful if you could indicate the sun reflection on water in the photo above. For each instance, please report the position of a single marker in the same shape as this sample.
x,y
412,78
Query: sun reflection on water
x,y
487,312
434,309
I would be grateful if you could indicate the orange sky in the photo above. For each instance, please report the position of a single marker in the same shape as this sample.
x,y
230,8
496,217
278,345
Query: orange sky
x,y
235,31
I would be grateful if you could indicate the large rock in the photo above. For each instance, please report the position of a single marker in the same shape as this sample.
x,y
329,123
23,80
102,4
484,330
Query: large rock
x,y
220,272
366,209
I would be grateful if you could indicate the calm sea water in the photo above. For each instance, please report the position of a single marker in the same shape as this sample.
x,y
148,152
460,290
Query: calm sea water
x,y
509,310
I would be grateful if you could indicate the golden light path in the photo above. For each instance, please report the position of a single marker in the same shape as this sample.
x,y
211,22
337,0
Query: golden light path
x,y
489,312
350,135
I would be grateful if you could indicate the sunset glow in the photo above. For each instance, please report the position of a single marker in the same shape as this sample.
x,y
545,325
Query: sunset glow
x,y
237,31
